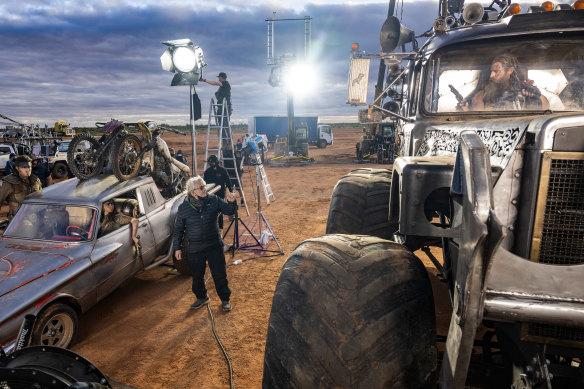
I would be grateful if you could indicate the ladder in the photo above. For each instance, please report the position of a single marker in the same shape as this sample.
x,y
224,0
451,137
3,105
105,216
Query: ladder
x,y
220,143
257,161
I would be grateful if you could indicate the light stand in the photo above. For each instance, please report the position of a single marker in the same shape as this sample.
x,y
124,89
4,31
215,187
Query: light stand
x,y
258,246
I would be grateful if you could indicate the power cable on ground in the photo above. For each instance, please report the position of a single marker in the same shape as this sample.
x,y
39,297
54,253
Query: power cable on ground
x,y
231,386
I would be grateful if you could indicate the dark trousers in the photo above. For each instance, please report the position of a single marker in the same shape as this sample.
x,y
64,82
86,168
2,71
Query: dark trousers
x,y
197,264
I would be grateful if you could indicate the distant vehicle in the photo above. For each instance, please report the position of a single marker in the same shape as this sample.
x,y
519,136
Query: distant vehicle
x,y
64,129
277,127
55,265
5,150
58,161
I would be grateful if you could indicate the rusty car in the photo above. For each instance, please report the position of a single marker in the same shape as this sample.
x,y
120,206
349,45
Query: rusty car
x,y
55,264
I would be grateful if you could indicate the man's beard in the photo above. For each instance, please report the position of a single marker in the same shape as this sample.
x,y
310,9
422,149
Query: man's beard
x,y
494,91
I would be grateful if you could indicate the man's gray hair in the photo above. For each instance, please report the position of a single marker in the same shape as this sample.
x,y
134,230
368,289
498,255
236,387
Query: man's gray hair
x,y
193,181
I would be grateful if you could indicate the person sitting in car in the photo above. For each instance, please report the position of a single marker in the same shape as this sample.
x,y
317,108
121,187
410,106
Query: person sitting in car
x,y
111,220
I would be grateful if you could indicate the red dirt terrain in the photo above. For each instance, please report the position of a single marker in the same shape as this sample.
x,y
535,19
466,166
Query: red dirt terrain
x,y
145,335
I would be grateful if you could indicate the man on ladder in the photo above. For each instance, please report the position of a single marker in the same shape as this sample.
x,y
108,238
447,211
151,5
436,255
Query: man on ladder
x,y
224,92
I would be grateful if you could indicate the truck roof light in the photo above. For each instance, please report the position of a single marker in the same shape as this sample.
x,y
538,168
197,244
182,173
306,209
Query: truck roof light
x,y
547,6
514,9
355,46
578,4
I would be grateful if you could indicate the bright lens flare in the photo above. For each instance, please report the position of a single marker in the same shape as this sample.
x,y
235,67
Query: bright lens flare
x,y
301,79
184,59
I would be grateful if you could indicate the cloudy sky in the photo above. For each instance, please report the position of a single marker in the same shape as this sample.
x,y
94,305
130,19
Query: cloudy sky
x,y
88,61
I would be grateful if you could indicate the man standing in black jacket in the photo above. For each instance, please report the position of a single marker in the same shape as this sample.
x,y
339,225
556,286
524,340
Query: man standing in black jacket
x,y
197,220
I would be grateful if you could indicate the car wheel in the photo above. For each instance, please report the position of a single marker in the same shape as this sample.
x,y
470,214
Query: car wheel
x,y
360,204
321,144
56,325
59,170
351,312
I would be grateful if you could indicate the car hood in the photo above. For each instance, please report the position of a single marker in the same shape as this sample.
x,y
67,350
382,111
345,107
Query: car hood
x,y
22,264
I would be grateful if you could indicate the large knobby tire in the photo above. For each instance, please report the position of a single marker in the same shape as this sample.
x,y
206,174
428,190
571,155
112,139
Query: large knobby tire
x,y
56,325
360,204
351,312
86,163
59,170
126,163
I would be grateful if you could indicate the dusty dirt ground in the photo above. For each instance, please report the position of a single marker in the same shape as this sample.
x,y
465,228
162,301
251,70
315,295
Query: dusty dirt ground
x,y
145,335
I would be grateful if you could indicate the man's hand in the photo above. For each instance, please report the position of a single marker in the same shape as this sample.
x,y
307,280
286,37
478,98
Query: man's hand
x,y
229,196
178,255
136,240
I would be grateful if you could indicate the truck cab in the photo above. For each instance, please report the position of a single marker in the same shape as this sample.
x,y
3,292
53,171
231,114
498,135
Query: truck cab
x,y
487,193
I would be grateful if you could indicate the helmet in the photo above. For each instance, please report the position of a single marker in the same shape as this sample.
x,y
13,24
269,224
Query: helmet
x,y
213,159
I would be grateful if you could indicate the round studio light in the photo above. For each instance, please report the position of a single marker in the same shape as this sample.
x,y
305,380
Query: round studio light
x,y
184,59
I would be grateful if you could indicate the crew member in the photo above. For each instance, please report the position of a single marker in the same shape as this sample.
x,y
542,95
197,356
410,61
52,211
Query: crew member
x,y
9,164
505,89
181,158
216,174
197,221
16,186
112,219
40,169
224,91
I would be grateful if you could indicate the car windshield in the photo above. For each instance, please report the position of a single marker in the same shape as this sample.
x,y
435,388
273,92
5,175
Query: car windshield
x,y
64,146
54,222
512,74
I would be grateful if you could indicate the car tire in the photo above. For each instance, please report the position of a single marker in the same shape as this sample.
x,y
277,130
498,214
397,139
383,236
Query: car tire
x,y
59,170
56,325
360,204
351,312
321,144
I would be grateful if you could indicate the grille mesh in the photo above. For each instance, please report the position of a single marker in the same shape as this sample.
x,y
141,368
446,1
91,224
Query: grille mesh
x,y
556,332
562,240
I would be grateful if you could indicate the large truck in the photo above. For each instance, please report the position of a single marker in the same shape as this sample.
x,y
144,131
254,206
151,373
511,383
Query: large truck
x,y
487,199
274,127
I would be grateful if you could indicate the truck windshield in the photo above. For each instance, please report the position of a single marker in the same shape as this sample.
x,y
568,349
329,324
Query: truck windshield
x,y
64,146
55,222
511,74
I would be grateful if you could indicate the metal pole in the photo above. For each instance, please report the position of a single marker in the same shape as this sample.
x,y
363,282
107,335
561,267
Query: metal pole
x,y
193,133
291,132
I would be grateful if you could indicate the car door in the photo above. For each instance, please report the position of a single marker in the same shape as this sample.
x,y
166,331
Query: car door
x,y
158,215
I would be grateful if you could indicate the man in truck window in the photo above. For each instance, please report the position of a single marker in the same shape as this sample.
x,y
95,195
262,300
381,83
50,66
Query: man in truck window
x,y
506,89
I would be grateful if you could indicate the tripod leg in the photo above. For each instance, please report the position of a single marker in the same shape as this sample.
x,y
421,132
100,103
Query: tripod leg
x,y
271,232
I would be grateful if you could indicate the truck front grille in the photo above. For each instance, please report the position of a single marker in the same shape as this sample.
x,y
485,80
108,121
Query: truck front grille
x,y
553,334
559,221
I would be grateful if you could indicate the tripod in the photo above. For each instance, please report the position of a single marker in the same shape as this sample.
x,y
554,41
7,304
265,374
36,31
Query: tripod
x,y
258,246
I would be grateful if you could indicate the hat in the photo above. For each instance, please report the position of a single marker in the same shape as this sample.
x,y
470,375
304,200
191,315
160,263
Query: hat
x,y
222,74
213,158
11,155
22,161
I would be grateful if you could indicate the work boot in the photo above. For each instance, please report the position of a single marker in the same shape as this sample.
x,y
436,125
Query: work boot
x,y
200,302
226,305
